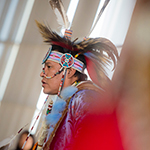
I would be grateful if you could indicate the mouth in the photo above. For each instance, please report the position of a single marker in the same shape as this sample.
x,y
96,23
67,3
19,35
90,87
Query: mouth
x,y
43,83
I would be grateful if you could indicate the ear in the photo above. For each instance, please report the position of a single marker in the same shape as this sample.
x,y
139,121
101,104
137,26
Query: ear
x,y
70,72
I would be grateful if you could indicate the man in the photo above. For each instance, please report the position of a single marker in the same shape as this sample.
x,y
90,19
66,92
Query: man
x,y
80,109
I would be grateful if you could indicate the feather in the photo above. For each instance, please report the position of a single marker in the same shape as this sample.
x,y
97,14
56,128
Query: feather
x,y
6,143
68,91
98,52
53,118
60,13
6,147
58,106
99,15
52,37
98,47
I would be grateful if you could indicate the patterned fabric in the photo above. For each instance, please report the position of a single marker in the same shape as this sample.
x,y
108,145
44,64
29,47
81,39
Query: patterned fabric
x,y
70,127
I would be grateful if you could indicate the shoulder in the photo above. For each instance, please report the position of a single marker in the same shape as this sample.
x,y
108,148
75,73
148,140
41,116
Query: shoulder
x,y
82,101
91,98
89,85
87,92
85,95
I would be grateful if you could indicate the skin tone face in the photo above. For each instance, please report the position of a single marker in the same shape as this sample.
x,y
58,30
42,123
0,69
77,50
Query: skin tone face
x,y
51,86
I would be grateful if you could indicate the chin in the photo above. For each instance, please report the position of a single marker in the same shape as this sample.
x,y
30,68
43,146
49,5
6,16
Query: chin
x,y
46,91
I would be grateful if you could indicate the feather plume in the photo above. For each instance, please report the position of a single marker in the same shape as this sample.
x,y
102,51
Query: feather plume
x,y
98,52
60,13
99,15
6,143
52,37
98,47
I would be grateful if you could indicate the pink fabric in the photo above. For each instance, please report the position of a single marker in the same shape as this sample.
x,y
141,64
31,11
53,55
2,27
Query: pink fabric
x,y
87,128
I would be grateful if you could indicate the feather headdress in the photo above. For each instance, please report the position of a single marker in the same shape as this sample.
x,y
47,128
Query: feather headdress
x,y
98,52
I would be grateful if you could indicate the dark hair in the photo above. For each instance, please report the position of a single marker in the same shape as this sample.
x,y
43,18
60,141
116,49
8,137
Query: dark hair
x,y
81,76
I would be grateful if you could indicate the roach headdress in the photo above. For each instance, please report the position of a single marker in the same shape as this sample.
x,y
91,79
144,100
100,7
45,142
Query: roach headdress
x,y
97,52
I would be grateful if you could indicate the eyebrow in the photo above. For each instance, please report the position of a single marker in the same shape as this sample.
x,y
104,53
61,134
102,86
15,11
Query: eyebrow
x,y
47,63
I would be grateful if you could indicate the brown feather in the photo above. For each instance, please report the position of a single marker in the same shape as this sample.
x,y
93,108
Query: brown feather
x,y
50,36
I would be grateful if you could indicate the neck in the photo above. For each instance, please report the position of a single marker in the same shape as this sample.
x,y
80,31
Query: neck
x,y
69,82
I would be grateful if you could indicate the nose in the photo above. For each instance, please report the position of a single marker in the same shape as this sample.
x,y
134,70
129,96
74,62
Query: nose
x,y
42,73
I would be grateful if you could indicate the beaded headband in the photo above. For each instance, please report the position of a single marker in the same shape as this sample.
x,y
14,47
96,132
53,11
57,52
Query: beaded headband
x,y
66,60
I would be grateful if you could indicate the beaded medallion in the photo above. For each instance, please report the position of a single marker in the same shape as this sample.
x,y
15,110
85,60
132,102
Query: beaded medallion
x,y
66,60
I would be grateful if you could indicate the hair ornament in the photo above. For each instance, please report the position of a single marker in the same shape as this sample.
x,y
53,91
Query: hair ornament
x,y
60,13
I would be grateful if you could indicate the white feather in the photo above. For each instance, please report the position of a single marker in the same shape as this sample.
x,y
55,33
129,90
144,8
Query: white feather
x,y
60,13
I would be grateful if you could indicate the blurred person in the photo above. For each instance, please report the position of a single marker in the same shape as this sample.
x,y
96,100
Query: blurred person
x,y
29,144
131,81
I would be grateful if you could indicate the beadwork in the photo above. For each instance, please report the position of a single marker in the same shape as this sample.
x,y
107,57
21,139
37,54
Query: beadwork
x,y
58,72
47,55
68,34
66,60
49,108
60,58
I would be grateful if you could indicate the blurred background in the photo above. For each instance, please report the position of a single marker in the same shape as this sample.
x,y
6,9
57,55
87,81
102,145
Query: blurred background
x,y
22,49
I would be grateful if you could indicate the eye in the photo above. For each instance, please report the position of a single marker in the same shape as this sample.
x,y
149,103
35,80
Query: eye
x,y
48,66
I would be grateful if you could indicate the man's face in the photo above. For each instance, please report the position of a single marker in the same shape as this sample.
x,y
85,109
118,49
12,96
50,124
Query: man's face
x,y
51,86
